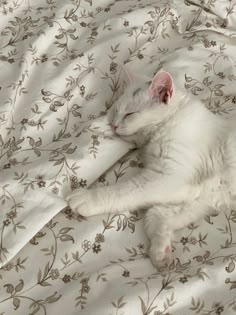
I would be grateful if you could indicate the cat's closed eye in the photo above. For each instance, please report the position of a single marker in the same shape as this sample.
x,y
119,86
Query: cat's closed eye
x,y
128,114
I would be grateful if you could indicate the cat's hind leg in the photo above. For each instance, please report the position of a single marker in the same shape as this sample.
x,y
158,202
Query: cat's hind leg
x,y
161,221
159,233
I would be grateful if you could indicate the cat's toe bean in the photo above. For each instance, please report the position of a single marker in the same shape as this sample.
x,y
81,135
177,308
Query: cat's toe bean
x,y
167,249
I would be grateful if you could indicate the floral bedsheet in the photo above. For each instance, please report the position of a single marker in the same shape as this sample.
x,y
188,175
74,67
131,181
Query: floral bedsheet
x,y
60,71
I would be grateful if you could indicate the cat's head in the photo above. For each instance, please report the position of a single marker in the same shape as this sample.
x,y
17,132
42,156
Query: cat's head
x,y
142,104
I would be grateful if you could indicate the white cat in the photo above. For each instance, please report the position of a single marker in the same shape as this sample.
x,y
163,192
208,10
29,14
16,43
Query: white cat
x,y
189,157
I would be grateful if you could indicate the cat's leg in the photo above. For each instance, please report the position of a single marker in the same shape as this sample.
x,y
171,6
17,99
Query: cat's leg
x,y
142,191
189,213
160,223
159,233
116,198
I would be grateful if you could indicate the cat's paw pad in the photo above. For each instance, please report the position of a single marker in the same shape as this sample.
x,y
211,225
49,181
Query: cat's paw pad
x,y
160,256
167,249
83,202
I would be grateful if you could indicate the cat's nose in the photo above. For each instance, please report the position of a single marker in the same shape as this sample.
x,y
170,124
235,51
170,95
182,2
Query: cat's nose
x,y
114,126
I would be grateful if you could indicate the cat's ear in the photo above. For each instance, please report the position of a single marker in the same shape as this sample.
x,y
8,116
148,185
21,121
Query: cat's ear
x,y
161,87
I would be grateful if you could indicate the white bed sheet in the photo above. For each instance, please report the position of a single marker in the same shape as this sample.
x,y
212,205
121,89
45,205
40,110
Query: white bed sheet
x,y
60,72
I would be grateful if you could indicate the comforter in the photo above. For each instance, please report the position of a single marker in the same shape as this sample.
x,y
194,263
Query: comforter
x,y
60,72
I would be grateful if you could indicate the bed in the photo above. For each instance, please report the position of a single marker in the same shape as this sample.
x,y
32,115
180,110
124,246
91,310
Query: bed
x,y
61,70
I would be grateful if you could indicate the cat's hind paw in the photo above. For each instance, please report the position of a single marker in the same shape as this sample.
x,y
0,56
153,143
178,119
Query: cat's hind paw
x,y
160,256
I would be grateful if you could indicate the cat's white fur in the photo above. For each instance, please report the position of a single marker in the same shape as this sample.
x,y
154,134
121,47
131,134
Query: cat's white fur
x,y
189,157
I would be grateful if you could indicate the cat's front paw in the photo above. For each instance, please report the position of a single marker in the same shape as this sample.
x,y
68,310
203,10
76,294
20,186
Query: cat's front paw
x,y
84,202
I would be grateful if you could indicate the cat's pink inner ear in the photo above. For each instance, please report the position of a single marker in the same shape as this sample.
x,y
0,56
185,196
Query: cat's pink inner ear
x,y
161,87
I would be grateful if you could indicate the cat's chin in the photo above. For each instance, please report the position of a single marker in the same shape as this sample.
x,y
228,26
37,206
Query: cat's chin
x,y
128,138
122,134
